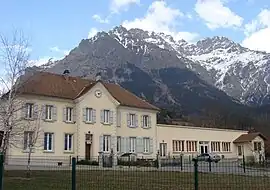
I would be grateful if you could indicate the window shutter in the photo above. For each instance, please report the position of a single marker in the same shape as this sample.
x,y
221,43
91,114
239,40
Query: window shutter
x,y
136,120
128,120
151,146
111,117
149,121
123,145
43,110
64,114
101,143
23,111
113,142
93,115
25,141
45,141
128,144
84,115
54,113
140,147
35,112
118,119
74,115
101,116
142,121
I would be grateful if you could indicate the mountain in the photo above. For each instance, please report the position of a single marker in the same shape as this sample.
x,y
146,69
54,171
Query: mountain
x,y
241,73
192,81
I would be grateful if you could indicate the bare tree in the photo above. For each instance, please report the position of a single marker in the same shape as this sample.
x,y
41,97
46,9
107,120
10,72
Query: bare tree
x,y
14,57
14,60
34,141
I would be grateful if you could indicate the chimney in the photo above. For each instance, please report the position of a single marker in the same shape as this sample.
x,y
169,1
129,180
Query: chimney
x,y
66,74
98,76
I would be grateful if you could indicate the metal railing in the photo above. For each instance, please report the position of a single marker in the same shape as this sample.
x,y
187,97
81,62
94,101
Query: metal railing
x,y
142,174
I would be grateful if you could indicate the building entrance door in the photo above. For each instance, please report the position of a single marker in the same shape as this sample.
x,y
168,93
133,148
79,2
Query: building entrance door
x,y
163,149
88,145
87,151
204,147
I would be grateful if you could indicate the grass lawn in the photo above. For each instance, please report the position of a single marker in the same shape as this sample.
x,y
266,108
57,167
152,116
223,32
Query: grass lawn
x,y
126,180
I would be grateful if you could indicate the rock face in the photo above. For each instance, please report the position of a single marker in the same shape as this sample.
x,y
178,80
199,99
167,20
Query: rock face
x,y
146,64
212,77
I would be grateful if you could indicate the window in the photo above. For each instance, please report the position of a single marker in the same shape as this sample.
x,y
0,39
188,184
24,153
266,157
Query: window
x,y
69,112
132,144
191,146
89,114
29,110
48,141
106,116
145,121
28,136
106,143
239,150
146,145
226,146
118,148
48,112
178,146
68,142
215,146
257,146
132,120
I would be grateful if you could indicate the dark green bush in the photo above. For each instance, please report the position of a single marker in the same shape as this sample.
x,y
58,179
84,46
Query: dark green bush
x,y
87,162
138,162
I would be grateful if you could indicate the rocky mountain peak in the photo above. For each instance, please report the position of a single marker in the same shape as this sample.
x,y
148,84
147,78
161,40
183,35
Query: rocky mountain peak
x,y
218,43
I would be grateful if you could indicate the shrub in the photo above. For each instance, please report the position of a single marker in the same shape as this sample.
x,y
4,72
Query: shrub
x,y
138,162
87,162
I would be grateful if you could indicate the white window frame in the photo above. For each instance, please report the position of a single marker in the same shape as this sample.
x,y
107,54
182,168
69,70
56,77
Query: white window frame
x,y
48,112
146,144
106,114
178,145
89,114
47,141
106,143
257,148
226,146
132,144
191,146
132,119
215,146
29,110
145,121
67,137
69,114
28,134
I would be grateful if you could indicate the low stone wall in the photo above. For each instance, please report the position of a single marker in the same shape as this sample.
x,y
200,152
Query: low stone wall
x,y
39,161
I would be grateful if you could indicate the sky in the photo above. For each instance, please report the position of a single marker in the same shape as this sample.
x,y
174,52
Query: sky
x,y
55,27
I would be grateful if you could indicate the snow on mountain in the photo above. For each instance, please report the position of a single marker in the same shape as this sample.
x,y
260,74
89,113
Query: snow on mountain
x,y
242,73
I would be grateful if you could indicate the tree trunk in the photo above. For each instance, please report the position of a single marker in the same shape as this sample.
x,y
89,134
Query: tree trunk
x,y
28,172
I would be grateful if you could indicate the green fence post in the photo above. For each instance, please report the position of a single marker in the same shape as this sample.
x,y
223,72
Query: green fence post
x,y
1,170
210,167
73,174
181,162
244,163
196,183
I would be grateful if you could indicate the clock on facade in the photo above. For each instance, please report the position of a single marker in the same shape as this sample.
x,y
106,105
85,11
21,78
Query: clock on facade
x,y
98,93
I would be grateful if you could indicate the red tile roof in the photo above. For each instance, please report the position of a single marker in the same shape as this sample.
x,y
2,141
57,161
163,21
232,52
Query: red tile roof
x,y
55,85
248,137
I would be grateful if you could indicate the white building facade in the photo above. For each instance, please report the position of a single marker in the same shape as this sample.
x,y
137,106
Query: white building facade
x,y
86,119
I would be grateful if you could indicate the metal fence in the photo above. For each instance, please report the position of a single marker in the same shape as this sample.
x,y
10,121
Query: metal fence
x,y
167,174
